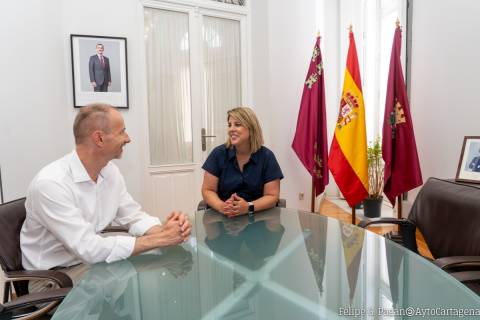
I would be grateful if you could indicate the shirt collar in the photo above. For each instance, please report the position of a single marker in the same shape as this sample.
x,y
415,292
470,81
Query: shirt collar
x,y
79,173
232,152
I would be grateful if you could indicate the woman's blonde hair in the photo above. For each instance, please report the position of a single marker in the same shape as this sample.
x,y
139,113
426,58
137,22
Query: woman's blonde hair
x,y
249,120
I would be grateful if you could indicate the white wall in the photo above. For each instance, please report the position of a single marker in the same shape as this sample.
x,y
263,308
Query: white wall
x,y
36,104
118,19
291,36
34,121
444,81
282,43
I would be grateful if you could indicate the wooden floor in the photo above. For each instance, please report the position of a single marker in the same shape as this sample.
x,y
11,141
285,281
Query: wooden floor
x,y
330,209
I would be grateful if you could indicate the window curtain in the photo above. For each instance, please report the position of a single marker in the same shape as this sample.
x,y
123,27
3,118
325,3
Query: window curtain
x,y
222,74
168,81
373,24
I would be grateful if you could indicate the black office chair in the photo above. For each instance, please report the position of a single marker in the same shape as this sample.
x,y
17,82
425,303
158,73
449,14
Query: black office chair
x,y
202,205
17,302
454,250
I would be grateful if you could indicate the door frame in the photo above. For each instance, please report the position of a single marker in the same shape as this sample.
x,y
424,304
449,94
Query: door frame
x,y
195,9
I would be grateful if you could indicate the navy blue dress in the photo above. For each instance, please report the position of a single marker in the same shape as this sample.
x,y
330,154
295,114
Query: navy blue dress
x,y
261,168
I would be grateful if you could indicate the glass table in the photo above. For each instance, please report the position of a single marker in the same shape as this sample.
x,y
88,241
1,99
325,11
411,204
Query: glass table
x,y
286,264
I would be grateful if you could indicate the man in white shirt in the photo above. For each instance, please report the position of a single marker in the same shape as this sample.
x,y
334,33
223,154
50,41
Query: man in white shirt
x,y
70,201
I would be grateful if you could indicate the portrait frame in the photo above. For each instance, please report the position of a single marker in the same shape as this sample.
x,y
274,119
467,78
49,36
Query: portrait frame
x,y
469,163
88,70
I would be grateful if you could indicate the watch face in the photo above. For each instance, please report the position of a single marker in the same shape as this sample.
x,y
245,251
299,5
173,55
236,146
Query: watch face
x,y
251,208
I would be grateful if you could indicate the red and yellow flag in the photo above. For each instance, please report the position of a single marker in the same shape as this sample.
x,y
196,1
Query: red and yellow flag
x,y
348,151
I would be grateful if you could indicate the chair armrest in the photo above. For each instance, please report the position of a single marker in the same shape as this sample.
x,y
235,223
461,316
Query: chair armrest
x,y
109,229
36,298
466,276
202,205
365,223
406,235
62,279
457,261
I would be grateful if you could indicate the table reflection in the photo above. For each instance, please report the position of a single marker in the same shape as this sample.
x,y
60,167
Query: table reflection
x,y
284,265
249,243
105,291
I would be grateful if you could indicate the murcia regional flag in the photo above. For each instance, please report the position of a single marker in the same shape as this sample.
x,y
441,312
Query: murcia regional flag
x,y
348,151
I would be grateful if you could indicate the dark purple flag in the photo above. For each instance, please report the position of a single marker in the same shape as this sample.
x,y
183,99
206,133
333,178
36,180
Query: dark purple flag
x,y
310,141
402,168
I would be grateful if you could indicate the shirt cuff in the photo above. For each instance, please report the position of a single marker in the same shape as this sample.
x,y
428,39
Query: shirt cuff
x,y
139,228
122,249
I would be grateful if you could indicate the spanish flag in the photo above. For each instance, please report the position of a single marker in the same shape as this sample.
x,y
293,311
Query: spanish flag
x,y
348,151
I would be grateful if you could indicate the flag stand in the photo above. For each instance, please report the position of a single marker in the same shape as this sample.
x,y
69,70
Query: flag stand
x,y
353,215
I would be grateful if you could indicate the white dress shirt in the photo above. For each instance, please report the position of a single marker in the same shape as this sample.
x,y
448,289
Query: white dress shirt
x,y
66,211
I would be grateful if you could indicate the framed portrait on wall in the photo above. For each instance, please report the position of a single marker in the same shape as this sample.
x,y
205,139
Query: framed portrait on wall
x,y
469,163
99,70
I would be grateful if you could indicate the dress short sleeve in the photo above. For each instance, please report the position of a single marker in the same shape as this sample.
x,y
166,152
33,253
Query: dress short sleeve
x,y
215,161
272,169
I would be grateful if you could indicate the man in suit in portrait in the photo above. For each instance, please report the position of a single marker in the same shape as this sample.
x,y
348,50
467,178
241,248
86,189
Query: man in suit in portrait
x,y
475,164
99,70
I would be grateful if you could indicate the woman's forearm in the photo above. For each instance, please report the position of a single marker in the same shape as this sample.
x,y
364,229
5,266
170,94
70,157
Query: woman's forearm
x,y
212,199
265,202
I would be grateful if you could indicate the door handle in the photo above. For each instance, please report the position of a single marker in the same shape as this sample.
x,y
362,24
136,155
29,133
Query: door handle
x,y
204,139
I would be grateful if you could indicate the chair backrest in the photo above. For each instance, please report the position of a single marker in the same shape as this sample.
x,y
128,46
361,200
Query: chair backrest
x,y
12,215
446,212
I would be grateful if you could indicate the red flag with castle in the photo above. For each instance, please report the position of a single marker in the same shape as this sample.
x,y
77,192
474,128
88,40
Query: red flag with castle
x,y
310,141
399,150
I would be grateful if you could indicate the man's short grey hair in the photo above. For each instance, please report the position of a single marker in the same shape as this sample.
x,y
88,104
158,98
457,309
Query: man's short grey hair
x,y
90,118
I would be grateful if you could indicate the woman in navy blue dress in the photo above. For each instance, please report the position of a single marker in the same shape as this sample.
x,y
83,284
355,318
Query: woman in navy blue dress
x,y
241,176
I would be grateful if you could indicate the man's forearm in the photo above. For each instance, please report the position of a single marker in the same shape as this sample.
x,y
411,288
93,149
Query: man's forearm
x,y
155,229
146,243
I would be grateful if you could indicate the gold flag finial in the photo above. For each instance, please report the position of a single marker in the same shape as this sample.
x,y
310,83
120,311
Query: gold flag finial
x,y
350,28
397,23
318,34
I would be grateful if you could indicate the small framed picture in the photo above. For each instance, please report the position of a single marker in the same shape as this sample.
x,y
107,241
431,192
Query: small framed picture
x,y
99,70
469,163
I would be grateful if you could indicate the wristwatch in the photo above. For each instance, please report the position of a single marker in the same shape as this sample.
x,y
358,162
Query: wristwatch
x,y
251,210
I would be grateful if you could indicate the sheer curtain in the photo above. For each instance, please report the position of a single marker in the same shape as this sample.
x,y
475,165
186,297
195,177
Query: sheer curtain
x,y
379,28
168,80
222,74
373,24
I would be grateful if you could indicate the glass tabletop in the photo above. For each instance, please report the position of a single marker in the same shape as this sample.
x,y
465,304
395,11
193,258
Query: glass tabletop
x,y
286,264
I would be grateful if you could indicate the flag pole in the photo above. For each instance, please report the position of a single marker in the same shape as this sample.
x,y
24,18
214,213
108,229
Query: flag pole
x,y
399,198
399,208
353,216
312,202
1,187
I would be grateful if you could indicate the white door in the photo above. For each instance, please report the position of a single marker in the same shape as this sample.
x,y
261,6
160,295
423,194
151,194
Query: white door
x,y
195,73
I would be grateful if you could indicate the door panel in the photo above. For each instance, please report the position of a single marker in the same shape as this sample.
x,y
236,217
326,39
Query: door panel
x,y
222,75
194,71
